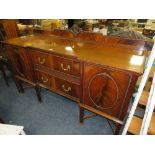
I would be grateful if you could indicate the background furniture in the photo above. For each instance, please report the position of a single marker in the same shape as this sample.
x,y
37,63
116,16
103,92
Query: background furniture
x,y
5,64
8,29
149,33
99,75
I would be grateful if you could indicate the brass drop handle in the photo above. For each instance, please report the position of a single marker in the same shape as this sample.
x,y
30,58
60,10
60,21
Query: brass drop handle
x,y
44,80
66,89
65,69
41,61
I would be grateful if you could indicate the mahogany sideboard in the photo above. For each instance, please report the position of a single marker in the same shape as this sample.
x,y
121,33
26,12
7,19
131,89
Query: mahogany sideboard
x,y
100,77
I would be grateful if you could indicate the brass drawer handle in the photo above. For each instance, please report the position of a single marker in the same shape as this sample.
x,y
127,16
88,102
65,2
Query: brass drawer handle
x,y
41,61
66,90
44,80
65,69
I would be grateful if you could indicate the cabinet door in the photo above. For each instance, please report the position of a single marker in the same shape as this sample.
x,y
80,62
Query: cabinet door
x,y
107,90
20,62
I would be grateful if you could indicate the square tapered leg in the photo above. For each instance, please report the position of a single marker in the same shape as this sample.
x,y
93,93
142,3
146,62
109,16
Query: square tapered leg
x,y
81,115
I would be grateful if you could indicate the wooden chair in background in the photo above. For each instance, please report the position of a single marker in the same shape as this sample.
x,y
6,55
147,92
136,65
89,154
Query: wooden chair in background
x,y
10,30
5,64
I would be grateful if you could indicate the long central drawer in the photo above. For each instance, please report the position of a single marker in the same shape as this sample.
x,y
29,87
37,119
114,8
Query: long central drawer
x,y
51,61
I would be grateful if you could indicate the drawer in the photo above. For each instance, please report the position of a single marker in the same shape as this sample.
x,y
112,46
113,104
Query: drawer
x,y
41,58
44,79
68,87
67,66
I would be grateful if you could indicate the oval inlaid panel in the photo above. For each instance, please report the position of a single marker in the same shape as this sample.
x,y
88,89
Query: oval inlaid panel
x,y
103,91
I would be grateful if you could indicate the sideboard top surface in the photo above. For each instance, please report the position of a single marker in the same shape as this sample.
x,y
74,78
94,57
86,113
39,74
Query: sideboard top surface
x,y
94,52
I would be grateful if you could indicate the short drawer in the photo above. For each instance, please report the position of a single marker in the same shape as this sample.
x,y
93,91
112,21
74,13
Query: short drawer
x,y
44,79
68,87
40,58
68,66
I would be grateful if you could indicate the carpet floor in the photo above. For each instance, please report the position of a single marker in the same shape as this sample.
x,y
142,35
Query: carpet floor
x,y
56,115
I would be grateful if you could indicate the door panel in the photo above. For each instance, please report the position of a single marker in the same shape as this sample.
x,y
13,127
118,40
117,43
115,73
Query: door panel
x,y
105,89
